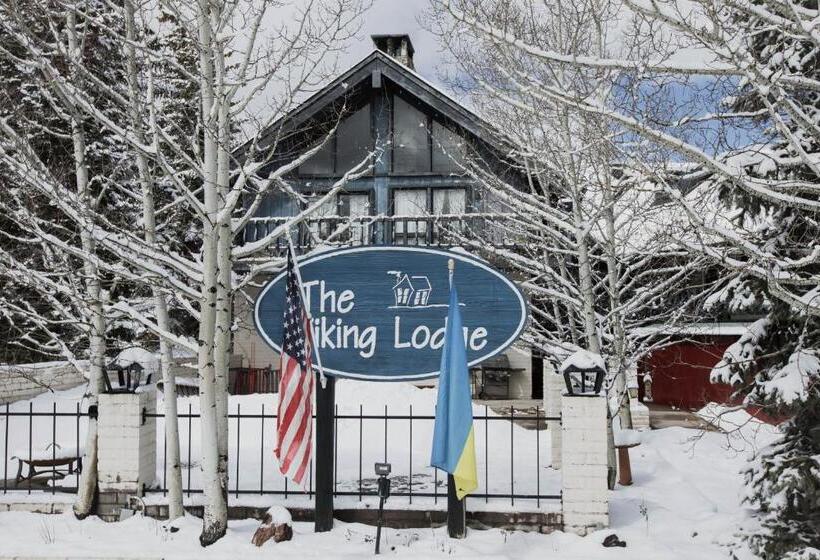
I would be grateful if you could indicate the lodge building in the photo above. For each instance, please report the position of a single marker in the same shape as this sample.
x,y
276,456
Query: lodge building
x,y
418,194
415,194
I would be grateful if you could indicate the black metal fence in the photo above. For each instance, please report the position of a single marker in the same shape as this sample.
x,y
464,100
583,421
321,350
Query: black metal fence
x,y
49,456
249,474
509,448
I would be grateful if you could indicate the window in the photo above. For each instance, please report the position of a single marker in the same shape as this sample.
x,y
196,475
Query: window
x,y
334,213
415,217
353,140
448,150
321,163
411,150
423,145
347,149
449,201
409,203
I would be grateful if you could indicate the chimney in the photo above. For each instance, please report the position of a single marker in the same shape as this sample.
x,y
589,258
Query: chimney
x,y
398,46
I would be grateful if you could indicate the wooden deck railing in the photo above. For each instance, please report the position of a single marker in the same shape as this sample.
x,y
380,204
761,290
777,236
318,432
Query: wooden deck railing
x,y
431,231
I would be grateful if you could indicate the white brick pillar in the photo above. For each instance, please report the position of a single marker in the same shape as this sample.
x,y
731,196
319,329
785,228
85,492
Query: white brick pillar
x,y
553,389
127,442
584,496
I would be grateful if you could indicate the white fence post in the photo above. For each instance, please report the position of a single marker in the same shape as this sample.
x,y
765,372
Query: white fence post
x,y
127,448
553,388
584,492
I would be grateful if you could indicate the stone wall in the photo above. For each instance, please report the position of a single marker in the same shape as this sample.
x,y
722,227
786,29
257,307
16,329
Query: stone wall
x,y
24,381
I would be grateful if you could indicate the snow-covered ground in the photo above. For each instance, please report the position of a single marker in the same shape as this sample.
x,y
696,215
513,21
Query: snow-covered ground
x,y
685,504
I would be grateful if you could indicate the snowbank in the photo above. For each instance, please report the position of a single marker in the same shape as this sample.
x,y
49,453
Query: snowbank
x,y
684,503
734,419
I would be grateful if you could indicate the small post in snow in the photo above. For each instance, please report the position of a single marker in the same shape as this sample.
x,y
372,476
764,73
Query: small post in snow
x,y
325,405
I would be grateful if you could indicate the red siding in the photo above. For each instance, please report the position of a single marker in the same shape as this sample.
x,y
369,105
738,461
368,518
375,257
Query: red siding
x,y
680,373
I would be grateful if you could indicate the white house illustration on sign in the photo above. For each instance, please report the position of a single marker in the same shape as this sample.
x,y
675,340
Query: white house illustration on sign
x,y
411,291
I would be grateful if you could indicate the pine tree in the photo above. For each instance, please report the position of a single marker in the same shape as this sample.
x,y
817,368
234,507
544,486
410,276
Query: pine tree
x,y
776,366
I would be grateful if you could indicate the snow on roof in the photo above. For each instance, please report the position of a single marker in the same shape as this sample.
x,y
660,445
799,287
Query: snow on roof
x,y
137,355
583,359
694,329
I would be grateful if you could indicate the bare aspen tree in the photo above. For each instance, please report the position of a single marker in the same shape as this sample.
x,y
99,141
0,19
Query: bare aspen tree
x,y
88,480
136,112
226,194
572,225
749,207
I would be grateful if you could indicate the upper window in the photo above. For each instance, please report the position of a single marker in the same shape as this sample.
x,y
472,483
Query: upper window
x,y
449,151
449,201
411,149
353,140
348,148
347,204
332,219
422,145
416,214
321,163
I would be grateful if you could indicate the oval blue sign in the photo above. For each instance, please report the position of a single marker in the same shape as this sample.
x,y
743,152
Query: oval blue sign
x,y
379,312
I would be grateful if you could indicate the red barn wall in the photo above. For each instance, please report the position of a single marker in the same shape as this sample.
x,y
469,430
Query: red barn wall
x,y
680,373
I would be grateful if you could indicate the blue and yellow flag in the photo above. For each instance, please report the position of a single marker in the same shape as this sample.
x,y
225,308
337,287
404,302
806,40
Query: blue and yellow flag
x,y
453,439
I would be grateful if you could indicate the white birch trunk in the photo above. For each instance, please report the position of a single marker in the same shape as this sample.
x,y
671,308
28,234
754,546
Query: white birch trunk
x,y
619,335
173,467
215,517
87,488
222,344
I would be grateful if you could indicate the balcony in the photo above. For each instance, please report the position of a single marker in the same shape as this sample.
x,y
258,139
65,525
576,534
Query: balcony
x,y
443,231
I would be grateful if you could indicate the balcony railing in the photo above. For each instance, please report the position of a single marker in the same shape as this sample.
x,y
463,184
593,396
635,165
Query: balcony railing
x,y
432,231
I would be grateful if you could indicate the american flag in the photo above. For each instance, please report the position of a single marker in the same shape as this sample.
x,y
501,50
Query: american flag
x,y
295,418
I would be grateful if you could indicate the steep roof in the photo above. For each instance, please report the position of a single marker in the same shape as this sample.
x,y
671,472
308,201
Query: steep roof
x,y
376,66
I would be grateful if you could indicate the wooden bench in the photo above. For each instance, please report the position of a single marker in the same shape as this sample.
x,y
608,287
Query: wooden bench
x,y
41,470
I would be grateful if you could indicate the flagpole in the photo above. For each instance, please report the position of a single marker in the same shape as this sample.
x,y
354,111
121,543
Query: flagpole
x,y
456,510
325,405
322,378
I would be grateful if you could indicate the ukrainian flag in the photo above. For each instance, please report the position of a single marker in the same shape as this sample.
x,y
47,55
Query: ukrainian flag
x,y
453,439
